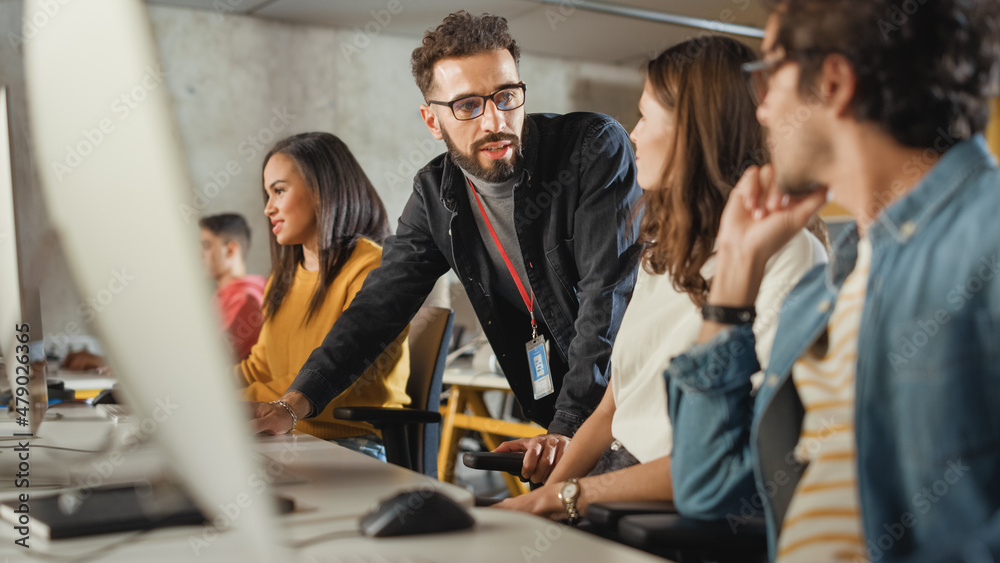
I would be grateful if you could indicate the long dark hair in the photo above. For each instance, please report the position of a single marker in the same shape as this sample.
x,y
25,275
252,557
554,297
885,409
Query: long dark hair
x,y
347,207
716,137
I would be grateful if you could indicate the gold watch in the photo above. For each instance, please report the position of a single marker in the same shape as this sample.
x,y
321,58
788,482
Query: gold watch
x,y
568,494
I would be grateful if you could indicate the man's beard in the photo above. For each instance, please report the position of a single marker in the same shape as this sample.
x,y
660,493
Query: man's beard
x,y
810,148
496,171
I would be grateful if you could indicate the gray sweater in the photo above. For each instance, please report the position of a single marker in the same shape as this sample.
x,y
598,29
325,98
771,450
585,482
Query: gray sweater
x,y
498,200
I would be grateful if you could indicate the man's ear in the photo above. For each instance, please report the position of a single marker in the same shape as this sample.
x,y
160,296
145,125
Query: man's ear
x,y
837,83
232,248
431,121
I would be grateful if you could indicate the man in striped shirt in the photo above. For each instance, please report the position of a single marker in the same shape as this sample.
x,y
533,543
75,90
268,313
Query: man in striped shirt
x,y
876,432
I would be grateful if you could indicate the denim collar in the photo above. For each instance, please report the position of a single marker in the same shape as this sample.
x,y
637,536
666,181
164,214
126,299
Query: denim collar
x,y
899,222
902,219
453,178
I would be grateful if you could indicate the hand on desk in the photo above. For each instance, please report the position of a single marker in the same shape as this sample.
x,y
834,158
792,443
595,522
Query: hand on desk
x,y
542,453
542,502
83,360
274,419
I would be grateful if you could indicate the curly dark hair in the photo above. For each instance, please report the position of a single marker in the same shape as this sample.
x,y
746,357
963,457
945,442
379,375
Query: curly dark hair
x,y
460,35
924,68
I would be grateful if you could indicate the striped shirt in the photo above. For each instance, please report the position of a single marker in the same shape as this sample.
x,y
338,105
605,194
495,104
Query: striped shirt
x,y
823,522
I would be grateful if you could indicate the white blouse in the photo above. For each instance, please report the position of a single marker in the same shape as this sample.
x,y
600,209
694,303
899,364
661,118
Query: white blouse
x,y
661,323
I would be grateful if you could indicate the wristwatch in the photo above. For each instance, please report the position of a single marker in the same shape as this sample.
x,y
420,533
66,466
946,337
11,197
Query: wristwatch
x,y
568,494
728,315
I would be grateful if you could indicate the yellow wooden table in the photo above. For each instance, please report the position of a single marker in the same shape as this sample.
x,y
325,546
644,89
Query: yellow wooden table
x,y
466,410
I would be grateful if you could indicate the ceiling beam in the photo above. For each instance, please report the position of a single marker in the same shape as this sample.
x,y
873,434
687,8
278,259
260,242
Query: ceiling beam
x,y
659,17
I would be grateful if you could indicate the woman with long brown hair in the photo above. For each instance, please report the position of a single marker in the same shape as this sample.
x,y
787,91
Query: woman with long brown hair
x,y
327,225
696,135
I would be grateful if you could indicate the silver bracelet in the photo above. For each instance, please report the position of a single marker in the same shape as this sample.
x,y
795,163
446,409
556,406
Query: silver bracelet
x,y
295,419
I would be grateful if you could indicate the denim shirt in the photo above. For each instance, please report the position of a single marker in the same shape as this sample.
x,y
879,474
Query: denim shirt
x,y
927,420
577,230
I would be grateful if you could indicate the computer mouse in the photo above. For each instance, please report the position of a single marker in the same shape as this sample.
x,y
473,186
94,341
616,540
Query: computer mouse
x,y
420,511
106,397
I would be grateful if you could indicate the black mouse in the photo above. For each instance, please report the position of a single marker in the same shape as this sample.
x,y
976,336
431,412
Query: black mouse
x,y
420,511
106,397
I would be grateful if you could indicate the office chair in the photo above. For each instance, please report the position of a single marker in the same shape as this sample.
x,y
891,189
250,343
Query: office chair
x,y
687,540
412,434
656,527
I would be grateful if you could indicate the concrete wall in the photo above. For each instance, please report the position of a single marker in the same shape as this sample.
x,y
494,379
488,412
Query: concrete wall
x,y
238,84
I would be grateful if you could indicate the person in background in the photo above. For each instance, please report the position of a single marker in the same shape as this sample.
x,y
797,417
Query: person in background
x,y
532,211
876,434
84,360
225,241
327,225
696,133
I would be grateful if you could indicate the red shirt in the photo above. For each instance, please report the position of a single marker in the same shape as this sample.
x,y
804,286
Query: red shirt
x,y
240,302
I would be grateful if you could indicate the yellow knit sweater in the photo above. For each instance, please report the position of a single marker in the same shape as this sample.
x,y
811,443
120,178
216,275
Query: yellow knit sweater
x,y
286,341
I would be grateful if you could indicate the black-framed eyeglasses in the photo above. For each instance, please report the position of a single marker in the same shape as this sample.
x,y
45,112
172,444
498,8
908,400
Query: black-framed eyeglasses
x,y
761,71
470,107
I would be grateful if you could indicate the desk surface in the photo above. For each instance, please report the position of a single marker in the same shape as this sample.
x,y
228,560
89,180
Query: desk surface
x,y
82,380
342,486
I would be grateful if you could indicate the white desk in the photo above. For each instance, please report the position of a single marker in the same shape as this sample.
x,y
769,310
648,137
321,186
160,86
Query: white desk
x,y
342,486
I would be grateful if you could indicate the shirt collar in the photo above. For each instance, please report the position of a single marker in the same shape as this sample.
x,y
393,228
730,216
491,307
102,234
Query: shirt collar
x,y
901,220
907,215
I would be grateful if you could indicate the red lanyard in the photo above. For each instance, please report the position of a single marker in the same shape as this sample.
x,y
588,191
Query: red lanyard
x,y
529,303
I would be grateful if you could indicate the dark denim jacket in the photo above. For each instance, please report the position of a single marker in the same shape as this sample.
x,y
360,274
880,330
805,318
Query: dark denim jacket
x,y
574,221
927,418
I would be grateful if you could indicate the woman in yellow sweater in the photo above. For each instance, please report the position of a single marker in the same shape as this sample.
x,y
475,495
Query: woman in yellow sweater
x,y
327,222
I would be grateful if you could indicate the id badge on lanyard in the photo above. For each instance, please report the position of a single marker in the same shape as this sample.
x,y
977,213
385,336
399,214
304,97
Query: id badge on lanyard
x,y
538,357
538,362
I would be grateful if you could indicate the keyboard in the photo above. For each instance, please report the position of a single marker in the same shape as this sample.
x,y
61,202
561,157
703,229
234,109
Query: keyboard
x,y
115,413
277,473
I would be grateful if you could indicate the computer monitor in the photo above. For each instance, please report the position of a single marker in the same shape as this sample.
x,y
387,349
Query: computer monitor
x,y
10,278
114,183
21,340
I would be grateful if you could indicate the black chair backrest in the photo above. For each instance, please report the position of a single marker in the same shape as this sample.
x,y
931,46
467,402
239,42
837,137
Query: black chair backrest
x,y
430,335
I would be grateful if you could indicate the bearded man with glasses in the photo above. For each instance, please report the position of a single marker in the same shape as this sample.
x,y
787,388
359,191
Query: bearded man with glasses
x,y
535,215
